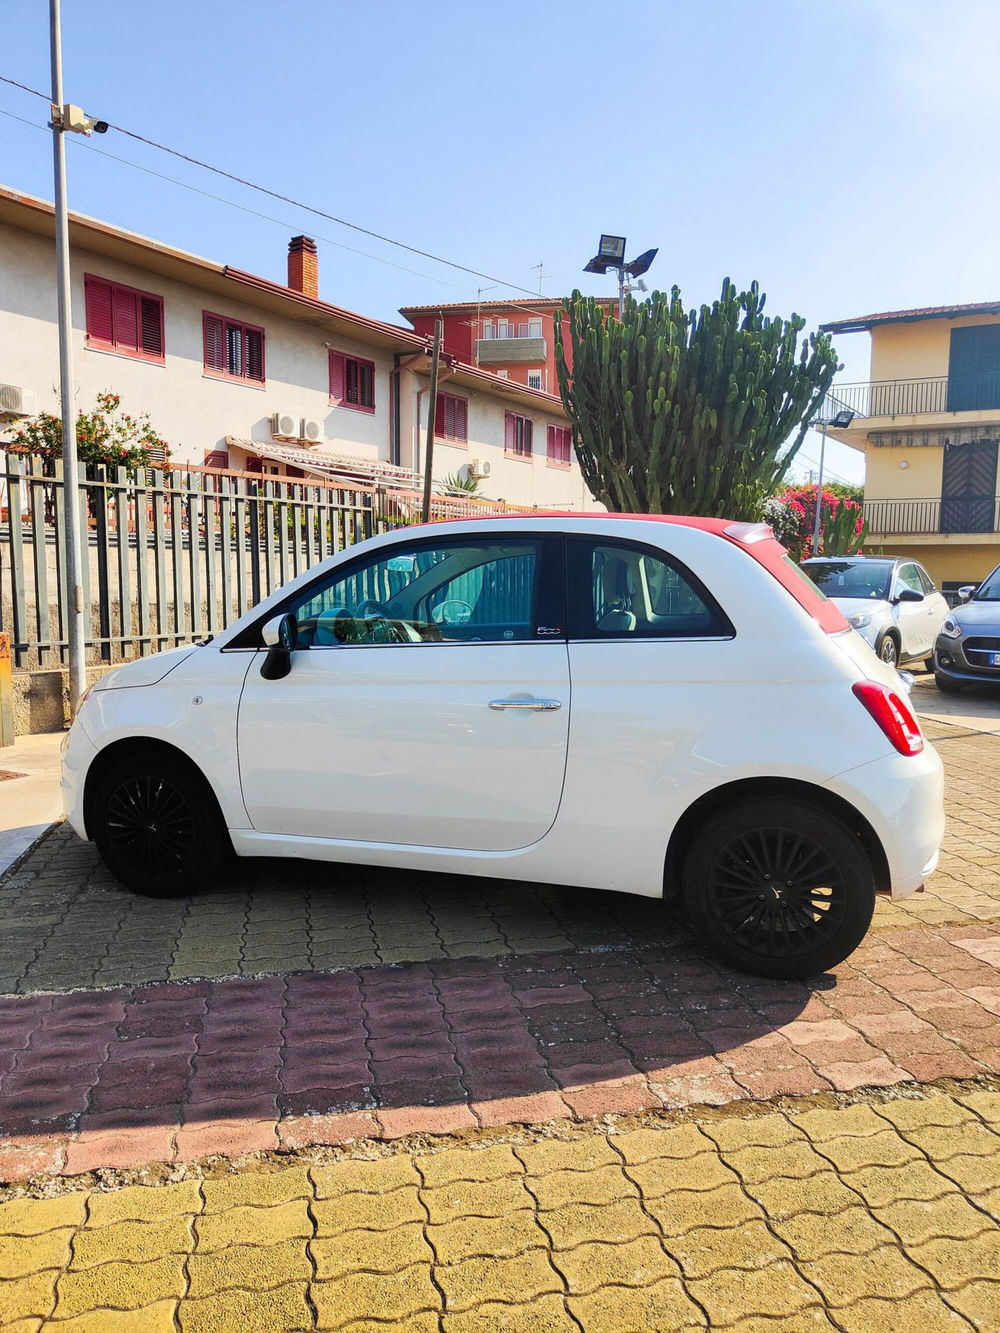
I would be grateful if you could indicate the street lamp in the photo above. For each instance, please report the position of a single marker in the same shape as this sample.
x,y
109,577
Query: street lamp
x,y
611,254
842,420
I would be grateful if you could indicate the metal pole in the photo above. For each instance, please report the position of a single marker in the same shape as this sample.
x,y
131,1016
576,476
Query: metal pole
x,y
75,626
819,489
621,292
431,413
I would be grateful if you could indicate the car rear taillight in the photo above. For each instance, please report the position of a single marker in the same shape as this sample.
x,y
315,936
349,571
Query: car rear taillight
x,y
893,714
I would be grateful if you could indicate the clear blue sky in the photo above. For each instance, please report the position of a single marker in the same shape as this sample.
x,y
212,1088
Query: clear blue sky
x,y
842,154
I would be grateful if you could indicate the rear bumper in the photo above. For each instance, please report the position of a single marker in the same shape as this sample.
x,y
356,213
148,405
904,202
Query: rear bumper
x,y
902,798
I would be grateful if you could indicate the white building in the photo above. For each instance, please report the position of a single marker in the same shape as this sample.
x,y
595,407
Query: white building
x,y
238,371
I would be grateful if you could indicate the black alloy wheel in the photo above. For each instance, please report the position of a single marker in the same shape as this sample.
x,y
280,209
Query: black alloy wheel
x,y
779,888
158,827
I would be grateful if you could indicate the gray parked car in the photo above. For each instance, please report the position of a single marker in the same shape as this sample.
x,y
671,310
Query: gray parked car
x,y
968,647
891,603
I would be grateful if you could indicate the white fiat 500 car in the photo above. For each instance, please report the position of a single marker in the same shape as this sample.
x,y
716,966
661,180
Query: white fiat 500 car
x,y
656,706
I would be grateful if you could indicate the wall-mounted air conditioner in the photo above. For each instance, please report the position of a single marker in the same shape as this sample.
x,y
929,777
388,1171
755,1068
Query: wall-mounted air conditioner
x,y
311,430
284,426
16,401
480,467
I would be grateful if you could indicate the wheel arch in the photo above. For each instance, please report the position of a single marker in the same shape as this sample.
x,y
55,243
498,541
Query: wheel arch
x,y
105,760
784,788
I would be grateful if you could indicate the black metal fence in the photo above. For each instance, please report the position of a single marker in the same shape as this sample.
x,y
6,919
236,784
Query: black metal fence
x,y
893,398
902,517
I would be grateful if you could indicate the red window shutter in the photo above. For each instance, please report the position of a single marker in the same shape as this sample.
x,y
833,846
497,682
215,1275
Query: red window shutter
x,y
217,458
100,321
337,377
550,441
462,420
254,464
366,383
254,360
509,432
526,437
293,471
440,416
351,380
151,313
126,320
215,343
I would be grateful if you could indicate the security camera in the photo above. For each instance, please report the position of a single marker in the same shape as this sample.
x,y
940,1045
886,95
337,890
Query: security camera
x,y
100,127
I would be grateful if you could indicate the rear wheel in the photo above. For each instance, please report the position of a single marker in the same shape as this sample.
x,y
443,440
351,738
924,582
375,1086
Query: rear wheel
x,y
158,827
888,649
946,685
779,888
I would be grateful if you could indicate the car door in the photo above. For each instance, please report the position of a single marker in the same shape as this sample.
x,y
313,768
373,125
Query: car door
x,y
427,702
937,607
911,617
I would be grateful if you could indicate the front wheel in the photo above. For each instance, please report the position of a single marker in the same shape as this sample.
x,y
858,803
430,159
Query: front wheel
x,y
779,888
888,649
158,827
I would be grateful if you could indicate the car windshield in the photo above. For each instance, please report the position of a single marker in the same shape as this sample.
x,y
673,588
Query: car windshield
x,y
989,589
851,578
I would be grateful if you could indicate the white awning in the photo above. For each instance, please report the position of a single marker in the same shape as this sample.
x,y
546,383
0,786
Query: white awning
x,y
346,467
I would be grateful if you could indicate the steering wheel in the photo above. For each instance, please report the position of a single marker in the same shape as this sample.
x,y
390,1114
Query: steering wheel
x,y
381,627
452,612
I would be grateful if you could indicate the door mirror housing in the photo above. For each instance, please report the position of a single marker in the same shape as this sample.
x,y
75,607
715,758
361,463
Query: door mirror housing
x,y
909,595
965,592
279,635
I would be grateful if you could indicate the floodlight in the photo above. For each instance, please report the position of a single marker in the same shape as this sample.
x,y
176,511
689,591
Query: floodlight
x,y
612,248
843,419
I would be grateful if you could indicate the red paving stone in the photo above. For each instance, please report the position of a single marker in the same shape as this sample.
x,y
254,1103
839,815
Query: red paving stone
x,y
177,1070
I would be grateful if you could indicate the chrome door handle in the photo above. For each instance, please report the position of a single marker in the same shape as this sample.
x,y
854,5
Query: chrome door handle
x,y
526,705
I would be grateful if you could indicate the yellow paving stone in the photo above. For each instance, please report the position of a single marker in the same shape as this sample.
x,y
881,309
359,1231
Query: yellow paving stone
x,y
989,1202
953,1263
584,1154
782,1197
940,1142
376,1212
843,1278
547,1314
916,1220
258,1188
664,1175
664,1305
798,1160
22,1325
369,1177
917,1113
31,1296
391,1298
30,1217
120,1286
813,1235
253,1226
923,1312
985,1104
974,1174
640,1145
250,1267
735,1293
442,1168
726,1206
372,1251
883,1185
143,1203
582,1222
501,1236
605,1184
283,1308
471,1198
636,1263
425,1322
820,1125
813,1320
758,1131
520,1278
979,1302
853,1154
132,1241
156,1318
21,1255
704,1250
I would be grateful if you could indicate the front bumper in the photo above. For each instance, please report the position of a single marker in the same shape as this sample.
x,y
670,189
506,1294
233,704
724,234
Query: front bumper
x,y
78,752
950,660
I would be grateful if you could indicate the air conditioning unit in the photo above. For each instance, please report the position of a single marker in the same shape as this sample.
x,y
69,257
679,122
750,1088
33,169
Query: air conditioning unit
x,y
284,426
311,430
480,467
15,401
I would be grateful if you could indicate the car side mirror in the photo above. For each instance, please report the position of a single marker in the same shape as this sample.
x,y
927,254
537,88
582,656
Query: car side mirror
x,y
279,637
966,592
909,595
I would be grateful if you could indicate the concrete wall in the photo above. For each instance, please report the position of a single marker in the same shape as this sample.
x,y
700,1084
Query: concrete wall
x,y
913,351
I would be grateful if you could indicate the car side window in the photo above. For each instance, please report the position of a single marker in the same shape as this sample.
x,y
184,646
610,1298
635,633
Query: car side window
x,y
908,577
425,593
926,582
621,591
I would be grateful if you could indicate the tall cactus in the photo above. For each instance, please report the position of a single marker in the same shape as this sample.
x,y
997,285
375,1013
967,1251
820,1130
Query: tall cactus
x,y
678,412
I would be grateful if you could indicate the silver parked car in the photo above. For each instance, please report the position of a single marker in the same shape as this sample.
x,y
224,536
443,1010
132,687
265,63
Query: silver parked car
x,y
968,646
891,603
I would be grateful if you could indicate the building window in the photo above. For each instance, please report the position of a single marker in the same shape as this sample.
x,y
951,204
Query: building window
x,y
352,382
517,435
233,351
558,446
122,319
489,329
534,379
451,418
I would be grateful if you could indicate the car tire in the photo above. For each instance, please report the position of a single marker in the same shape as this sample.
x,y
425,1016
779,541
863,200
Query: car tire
x,y
158,827
887,648
756,848
946,685
929,663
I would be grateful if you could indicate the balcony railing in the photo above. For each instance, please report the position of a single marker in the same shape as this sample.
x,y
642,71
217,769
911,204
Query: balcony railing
x,y
893,398
929,516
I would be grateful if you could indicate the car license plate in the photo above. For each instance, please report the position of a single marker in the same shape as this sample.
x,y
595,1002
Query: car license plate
x,y
994,659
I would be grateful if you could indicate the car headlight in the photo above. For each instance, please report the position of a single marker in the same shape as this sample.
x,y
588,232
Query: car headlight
x,y
861,620
951,629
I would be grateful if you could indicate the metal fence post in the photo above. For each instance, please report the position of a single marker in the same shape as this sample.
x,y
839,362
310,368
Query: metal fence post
x,y
6,694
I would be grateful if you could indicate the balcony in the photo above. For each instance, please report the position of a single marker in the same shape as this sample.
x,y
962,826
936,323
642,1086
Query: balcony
x,y
504,350
916,397
932,517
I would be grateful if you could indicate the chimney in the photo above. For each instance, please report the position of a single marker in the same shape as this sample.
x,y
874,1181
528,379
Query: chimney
x,y
303,266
